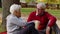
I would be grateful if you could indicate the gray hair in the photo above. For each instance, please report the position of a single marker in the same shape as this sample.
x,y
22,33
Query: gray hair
x,y
14,7
41,5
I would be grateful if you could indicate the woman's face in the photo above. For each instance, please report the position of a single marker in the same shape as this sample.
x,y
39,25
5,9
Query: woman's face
x,y
18,13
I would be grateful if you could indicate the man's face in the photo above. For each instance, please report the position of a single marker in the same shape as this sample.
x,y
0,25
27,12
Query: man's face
x,y
40,11
18,13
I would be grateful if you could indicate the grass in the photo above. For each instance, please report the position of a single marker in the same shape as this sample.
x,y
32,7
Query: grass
x,y
0,10
27,11
55,13
2,29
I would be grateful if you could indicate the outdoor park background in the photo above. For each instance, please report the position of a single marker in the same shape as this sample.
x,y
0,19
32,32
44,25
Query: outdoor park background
x,y
25,11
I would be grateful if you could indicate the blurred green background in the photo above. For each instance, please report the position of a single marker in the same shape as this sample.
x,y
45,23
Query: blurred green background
x,y
26,11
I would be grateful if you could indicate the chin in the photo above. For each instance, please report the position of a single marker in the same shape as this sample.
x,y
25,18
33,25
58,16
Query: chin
x,y
19,16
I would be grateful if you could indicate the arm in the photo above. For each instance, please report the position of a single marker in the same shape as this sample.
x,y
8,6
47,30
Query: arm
x,y
30,18
52,20
18,22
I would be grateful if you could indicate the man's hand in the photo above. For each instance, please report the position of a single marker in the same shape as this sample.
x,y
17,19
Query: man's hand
x,y
36,24
48,30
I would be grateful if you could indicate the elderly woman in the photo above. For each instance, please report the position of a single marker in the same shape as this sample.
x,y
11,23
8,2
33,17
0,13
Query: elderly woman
x,y
15,23
14,20
46,20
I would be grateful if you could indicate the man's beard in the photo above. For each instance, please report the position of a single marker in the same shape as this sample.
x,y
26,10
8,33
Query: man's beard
x,y
41,14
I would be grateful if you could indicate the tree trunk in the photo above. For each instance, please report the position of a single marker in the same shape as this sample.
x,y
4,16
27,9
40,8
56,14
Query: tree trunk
x,y
0,3
5,8
57,6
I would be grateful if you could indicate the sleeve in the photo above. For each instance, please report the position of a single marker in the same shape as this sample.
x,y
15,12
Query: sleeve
x,y
52,20
30,18
18,22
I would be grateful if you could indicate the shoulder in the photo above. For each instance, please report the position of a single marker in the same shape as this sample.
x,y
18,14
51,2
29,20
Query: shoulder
x,y
11,17
50,15
33,13
46,13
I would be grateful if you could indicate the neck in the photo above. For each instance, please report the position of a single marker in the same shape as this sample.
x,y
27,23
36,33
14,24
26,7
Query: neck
x,y
18,17
40,14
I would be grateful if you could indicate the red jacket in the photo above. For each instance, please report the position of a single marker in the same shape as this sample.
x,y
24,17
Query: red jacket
x,y
45,20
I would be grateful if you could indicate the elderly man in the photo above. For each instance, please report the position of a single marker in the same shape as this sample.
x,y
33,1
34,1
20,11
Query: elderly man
x,y
46,20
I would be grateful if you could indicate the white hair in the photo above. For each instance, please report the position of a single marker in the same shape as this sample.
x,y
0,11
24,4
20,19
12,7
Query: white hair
x,y
14,7
41,5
